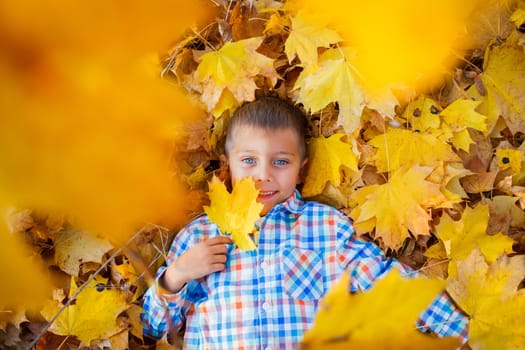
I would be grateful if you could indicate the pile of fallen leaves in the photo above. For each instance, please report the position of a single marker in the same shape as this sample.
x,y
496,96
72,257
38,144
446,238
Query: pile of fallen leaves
x,y
416,133
435,176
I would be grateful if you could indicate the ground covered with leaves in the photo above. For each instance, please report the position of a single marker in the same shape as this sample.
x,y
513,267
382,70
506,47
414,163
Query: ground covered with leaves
x,y
416,118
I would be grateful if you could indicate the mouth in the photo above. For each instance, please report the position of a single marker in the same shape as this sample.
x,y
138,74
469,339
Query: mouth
x,y
266,194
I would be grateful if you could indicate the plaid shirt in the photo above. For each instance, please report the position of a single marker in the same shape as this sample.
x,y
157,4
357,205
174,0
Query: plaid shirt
x,y
268,298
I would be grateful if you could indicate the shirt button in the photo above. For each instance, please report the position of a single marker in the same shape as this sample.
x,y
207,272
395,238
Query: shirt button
x,y
264,265
266,306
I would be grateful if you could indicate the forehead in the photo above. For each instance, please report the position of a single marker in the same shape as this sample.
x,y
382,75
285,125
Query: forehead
x,y
283,139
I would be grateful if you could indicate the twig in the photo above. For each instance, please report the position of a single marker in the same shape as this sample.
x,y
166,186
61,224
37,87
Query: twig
x,y
74,296
63,342
203,38
440,323
440,262
228,10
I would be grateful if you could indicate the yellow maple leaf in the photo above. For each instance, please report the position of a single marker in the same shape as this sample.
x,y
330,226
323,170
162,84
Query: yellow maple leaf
x,y
263,6
197,177
235,213
518,17
333,80
383,100
326,157
227,102
382,318
277,24
489,294
423,114
400,147
127,277
453,172
397,206
509,159
92,316
505,95
461,237
234,67
305,37
444,175
460,115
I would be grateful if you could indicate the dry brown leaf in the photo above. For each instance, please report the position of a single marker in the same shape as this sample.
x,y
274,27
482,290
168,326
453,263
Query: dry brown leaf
x,y
72,248
504,213
19,220
120,341
242,25
480,182
135,324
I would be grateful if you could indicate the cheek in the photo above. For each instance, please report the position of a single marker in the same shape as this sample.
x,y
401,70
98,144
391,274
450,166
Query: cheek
x,y
299,177
237,172
290,180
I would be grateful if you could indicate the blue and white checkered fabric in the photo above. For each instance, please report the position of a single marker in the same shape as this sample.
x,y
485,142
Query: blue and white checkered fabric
x,y
268,298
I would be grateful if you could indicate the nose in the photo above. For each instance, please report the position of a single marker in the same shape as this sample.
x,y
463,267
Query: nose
x,y
264,173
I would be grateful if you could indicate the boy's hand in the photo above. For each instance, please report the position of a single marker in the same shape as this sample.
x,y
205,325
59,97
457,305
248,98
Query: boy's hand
x,y
206,257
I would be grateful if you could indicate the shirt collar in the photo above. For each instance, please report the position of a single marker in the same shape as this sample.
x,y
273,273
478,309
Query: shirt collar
x,y
293,204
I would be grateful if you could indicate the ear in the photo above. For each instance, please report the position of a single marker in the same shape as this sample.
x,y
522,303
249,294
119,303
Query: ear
x,y
224,173
302,171
224,160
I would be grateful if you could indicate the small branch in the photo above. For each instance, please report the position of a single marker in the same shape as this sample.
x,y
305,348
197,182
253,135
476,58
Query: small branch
x,y
63,342
441,323
440,262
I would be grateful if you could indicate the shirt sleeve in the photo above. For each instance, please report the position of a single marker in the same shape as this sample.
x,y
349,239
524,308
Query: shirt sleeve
x,y
366,262
443,318
165,312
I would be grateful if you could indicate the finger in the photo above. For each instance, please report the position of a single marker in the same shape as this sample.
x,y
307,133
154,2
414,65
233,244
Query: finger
x,y
219,240
221,249
219,259
217,267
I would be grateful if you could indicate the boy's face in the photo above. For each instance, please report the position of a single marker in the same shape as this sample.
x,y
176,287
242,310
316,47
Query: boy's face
x,y
271,158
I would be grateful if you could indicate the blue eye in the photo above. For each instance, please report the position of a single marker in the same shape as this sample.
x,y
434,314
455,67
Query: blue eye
x,y
248,161
280,162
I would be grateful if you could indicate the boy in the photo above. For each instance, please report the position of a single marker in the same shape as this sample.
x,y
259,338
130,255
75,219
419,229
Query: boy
x,y
267,298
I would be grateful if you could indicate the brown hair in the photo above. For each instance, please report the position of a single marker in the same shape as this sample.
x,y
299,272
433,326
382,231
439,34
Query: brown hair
x,y
269,113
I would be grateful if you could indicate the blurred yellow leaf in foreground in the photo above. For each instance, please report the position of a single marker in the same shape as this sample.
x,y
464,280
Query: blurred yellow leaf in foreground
x,y
382,318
